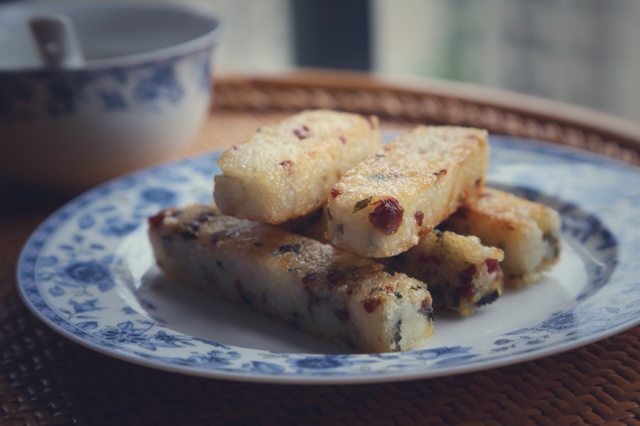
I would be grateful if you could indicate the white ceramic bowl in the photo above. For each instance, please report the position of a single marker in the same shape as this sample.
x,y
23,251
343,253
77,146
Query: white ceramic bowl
x,y
141,95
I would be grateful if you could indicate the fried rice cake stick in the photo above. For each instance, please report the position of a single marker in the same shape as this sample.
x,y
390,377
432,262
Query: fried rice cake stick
x,y
312,286
527,232
382,206
461,272
286,170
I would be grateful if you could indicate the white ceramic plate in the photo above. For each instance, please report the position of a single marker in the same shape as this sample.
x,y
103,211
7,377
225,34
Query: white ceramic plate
x,y
88,273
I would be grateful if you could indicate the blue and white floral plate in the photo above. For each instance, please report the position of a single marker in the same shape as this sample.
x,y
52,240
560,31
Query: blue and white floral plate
x,y
88,273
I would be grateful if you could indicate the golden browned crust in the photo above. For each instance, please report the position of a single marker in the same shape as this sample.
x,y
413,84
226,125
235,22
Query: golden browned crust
x,y
316,287
286,170
528,232
383,205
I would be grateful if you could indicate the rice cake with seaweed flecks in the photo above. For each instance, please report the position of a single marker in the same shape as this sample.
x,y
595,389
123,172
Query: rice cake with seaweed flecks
x,y
528,232
382,206
312,286
286,170
461,272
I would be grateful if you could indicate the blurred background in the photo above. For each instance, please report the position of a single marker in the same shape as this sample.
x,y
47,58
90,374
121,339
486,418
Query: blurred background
x,y
585,52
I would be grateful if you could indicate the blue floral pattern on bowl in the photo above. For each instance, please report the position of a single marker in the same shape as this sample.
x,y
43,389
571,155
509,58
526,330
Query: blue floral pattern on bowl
x,y
80,273
154,86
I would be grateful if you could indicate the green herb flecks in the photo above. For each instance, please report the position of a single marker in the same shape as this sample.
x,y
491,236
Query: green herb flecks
x,y
361,204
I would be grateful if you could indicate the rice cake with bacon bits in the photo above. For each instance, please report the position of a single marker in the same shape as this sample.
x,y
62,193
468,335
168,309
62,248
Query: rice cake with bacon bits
x,y
383,205
462,273
286,170
312,286
527,232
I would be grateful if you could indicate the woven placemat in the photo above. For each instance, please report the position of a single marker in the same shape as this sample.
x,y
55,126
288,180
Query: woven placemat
x,y
46,379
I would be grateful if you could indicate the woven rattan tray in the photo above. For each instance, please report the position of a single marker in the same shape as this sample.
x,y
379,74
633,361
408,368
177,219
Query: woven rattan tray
x,y
46,379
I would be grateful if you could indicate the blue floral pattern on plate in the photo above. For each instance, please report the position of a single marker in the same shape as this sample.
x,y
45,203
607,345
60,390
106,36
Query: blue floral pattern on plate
x,y
80,270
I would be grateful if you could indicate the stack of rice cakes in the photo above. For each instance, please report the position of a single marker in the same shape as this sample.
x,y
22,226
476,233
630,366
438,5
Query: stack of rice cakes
x,y
322,227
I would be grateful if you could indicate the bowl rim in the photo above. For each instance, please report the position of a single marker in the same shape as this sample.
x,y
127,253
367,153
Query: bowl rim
x,y
201,42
